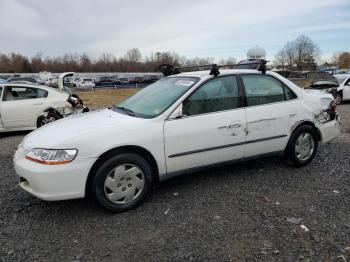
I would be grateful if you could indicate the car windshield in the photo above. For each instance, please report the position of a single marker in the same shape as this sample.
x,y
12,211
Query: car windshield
x,y
156,98
340,79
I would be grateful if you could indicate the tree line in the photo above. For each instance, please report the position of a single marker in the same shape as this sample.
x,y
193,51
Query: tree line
x,y
299,54
132,61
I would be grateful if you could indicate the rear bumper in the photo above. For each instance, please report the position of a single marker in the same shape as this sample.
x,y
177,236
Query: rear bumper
x,y
329,130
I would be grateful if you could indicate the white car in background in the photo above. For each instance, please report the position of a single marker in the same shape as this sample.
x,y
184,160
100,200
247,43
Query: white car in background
x,y
26,106
52,82
343,91
181,123
83,82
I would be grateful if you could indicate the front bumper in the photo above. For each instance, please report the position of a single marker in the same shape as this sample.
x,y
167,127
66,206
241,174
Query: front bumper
x,y
53,182
329,130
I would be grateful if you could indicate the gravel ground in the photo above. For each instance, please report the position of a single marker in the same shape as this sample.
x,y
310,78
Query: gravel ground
x,y
250,211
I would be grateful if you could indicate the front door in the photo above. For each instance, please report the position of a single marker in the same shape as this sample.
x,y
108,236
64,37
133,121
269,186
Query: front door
x,y
211,129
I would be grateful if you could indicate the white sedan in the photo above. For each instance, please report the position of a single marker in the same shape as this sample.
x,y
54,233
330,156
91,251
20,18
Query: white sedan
x,y
179,124
28,106
83,82
25,106
344,87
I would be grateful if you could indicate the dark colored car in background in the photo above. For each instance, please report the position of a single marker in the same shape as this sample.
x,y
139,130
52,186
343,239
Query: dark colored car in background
x,y
105,81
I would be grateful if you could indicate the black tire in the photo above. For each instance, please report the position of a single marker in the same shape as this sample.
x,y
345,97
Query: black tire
x,y
97,186
339,98
42,120
291,153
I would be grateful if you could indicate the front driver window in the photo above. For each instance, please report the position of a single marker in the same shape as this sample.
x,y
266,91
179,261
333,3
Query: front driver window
x,y
216,95
22,93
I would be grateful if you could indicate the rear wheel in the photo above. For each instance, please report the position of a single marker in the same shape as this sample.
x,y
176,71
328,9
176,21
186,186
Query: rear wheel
x,y
338,98
50,117
302,146
122,182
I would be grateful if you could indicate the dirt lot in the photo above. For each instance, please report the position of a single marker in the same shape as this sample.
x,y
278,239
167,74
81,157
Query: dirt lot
x,y
100,98
250,211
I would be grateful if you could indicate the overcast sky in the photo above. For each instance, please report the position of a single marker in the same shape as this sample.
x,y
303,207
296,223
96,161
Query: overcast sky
x,y
192,28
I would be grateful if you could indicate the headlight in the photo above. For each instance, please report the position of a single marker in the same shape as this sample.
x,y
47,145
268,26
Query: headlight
x,y
52,156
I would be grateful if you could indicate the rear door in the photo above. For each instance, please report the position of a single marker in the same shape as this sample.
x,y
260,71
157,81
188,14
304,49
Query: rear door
x,y
271,111
21,106
211,130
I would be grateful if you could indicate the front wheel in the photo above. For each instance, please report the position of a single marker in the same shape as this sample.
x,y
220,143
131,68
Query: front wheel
x,y
122,182
302,146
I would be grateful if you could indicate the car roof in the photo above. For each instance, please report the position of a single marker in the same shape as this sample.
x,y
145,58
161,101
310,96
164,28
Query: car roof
x,y
222,72
31,85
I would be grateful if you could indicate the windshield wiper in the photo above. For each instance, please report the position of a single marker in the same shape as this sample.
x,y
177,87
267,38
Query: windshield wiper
x,y
128,111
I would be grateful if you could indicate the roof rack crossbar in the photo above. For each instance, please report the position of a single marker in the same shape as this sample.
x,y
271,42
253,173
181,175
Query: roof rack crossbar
x,y
258,64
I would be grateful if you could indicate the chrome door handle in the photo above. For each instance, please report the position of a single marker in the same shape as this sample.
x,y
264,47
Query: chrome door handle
x,y
235,126
230,126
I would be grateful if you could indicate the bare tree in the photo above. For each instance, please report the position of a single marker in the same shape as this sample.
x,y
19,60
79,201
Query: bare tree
x,y
281,59
301,53
227,61
306,52
133,55
290,53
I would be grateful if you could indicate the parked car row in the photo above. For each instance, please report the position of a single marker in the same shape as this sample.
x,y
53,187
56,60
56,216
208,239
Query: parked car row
x,y
114,80
84,82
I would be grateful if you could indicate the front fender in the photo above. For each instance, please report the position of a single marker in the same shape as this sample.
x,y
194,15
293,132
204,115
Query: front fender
x,y
340,88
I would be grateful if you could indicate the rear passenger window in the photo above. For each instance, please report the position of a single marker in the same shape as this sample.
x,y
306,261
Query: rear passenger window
x,y
23,93
289,94
263,89
216,95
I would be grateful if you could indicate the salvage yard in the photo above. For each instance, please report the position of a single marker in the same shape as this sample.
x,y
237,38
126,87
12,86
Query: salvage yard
x,y
262,210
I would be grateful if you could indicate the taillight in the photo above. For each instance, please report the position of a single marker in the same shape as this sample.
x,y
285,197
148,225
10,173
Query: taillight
x,y
334,107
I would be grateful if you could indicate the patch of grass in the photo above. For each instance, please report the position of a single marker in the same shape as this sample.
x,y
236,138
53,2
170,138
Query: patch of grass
x,y
101,98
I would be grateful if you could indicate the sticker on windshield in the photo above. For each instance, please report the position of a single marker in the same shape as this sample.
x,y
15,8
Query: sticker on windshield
x,y
184,83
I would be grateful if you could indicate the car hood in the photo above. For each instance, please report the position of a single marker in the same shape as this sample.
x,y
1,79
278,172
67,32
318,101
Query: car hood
x,y
70,129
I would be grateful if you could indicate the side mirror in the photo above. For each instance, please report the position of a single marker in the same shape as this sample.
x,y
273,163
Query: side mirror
x,y
177,113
